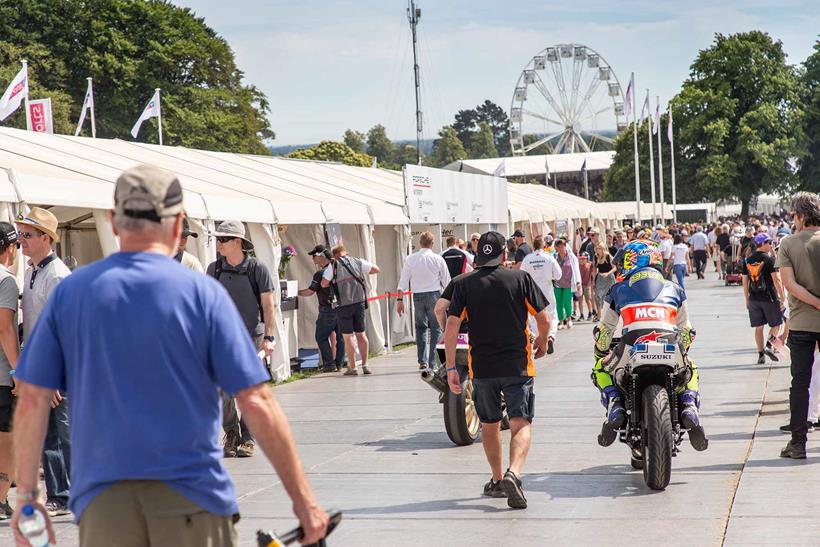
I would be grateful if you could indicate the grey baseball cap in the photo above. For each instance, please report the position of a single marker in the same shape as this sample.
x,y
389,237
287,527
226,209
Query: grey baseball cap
x,y
148,192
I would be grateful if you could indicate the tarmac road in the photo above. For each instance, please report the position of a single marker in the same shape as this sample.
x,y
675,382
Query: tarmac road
x,y
375,447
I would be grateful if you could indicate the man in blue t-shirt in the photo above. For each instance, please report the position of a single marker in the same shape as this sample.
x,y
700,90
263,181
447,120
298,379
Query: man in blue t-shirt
x,y
144,345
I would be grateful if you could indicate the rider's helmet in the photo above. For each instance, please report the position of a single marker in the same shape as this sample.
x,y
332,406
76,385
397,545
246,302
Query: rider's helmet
x,y
640,254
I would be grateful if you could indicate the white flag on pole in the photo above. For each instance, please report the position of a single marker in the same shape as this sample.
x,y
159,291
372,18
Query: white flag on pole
x,y
656,123
645,110
669,127
501,170
88,104
152,110
628,98
15,93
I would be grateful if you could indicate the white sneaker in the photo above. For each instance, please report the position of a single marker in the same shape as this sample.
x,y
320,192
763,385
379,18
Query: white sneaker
x,y
569,323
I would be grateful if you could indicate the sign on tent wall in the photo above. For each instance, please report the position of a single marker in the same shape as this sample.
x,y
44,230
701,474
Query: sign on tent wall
x,y
438,196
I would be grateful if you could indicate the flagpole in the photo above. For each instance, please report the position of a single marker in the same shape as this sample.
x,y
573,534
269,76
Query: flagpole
x,y
672,164
660,160
651,163
159,115
93,123
28,89
635,148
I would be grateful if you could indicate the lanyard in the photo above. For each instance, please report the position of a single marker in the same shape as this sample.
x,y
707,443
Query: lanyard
x,y
46,261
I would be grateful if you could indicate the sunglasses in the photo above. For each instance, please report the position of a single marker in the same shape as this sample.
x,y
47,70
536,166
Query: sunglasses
x,y
225,239
27,235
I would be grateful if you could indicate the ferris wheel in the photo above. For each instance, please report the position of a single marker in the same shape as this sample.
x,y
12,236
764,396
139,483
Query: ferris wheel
x,y
567,99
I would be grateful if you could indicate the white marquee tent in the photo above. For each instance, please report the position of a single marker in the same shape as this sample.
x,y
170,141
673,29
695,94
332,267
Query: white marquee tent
x,y
283,202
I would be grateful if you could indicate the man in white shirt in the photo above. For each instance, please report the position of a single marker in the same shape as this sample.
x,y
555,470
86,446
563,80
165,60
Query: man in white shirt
x,y
544,269
426,274
700,243
666,251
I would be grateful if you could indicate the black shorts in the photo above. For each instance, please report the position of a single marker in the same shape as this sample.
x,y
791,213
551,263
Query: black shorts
x,y
519,396
351,318
765,311
7,403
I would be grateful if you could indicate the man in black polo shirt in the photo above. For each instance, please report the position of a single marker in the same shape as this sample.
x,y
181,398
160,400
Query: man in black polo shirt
x,y
327,323
522,248
497,300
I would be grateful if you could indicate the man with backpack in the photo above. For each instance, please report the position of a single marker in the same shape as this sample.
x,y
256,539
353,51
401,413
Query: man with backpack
x,y
764,295
249,285
346,274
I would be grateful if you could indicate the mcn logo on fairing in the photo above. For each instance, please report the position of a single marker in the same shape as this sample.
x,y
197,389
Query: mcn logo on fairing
x,y
651,313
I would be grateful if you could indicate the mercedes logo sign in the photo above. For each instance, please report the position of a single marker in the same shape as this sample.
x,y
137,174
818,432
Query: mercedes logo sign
x,y
487,249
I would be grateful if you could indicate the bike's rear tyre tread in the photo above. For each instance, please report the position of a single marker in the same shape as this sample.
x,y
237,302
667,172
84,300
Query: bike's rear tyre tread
x,y
455,419
657,438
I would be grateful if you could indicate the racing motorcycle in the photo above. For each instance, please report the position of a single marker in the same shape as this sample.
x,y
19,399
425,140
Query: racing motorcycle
x,y
654,369
460,418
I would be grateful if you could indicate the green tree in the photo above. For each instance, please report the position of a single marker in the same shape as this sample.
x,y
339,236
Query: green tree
x,y
619,179
482,144
738,122
333,151
355,140
405,154
378,145
740,119
447,148
130,48
467,124
810,164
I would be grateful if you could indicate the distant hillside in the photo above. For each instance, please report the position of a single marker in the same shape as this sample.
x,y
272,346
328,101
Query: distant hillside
x,y
426,147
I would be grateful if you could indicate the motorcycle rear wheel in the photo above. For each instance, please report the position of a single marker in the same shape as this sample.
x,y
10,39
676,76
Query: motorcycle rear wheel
x,y
656,441
460,416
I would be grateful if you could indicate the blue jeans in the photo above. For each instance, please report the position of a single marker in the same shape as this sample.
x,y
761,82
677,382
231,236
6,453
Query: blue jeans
x,y
680,272
57,454
425,318
326,324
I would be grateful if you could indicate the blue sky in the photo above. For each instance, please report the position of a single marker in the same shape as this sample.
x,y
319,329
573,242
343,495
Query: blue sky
x,y
331,65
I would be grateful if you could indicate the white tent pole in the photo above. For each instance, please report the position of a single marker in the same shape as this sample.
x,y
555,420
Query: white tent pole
x,y
672,165
660,165
159,115
651,164
635,148
93,122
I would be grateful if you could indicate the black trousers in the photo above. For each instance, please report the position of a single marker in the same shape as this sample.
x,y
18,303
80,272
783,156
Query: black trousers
x,y
701,258
801,346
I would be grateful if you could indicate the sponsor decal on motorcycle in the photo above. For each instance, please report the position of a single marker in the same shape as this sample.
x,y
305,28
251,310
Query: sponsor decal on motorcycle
x,y
659,313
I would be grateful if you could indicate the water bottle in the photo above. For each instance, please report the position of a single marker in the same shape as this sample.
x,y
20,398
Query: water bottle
x,y
33,526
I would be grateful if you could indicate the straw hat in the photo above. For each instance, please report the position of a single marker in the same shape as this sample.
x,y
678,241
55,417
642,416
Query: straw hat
x,y
42,219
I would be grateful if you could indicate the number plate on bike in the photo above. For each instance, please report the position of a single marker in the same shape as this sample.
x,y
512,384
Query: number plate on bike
x,y
653,353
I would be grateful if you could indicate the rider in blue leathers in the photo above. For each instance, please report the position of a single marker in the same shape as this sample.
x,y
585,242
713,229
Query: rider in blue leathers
x,y
651,308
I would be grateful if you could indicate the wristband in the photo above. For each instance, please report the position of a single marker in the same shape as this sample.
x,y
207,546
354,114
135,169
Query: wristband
x,y
451,369
399,299
269,338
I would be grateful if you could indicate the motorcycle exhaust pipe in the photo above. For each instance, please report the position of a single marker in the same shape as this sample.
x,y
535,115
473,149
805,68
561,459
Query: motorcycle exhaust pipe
x,y
434,380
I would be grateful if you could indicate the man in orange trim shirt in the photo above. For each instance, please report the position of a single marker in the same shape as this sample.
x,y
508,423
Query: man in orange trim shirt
x,y
497,301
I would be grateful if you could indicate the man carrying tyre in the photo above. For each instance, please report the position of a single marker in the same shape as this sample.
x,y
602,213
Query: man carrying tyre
x,y
497,300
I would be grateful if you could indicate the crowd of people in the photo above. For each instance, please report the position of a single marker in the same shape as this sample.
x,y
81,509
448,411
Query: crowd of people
x,y
204,371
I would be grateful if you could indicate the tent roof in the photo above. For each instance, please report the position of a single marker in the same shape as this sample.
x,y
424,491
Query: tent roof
x,y
217,185
519,166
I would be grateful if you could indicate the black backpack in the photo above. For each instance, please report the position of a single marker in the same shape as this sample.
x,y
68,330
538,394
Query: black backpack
x,y
251,273
757,278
